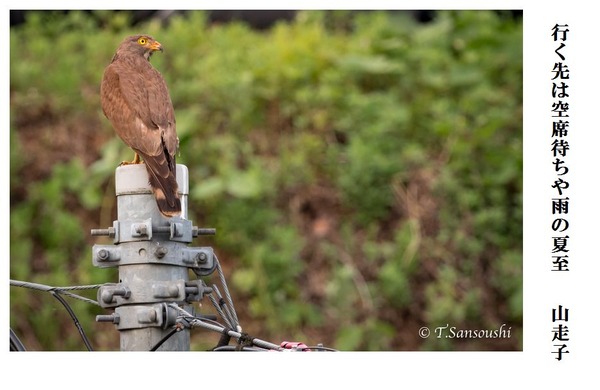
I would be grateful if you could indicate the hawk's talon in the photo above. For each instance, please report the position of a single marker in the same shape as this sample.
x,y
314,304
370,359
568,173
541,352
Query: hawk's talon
x,y
136,160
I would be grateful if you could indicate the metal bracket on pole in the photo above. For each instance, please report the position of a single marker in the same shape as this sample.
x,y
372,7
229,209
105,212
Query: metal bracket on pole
x,y
153,258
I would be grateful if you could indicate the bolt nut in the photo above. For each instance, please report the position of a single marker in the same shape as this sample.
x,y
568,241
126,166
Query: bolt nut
x,y
111,232
103,255
139,229
201,258
161,252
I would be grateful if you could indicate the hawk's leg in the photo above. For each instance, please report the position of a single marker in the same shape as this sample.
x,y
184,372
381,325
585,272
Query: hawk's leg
x,y
136,160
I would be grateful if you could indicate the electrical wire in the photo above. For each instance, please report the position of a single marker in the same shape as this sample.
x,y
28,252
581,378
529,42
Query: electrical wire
x,y
224,307
15,344
321,348
198,322
74,318
233,348
256,342
56,293
162,341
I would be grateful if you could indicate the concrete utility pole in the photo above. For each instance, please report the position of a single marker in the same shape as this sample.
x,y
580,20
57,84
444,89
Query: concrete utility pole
x,y
154,261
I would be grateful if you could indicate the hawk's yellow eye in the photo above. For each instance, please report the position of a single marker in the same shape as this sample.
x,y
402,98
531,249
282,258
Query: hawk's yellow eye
x,y
142,41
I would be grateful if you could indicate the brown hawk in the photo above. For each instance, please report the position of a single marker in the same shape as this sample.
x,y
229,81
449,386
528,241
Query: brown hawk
x,y
136,100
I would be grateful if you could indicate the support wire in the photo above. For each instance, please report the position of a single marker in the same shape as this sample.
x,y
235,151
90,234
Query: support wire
x,y
197,322
57,293
227,295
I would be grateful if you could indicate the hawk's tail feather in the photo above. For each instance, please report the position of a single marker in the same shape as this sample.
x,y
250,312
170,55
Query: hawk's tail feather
x,y
164,185
168,209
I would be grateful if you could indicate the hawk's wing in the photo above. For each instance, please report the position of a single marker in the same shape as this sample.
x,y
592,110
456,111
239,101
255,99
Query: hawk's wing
x,y
141,109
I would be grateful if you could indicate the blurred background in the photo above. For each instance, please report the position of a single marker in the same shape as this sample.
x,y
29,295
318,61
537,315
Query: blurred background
x,y
363,169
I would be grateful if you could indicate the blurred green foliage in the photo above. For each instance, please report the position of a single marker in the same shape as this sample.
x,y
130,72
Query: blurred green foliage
x,y
363,171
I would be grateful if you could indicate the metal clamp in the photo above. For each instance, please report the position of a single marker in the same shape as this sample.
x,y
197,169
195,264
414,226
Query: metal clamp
x,y
106,255
200,259
142,292
195,290
108,293
127,231
136,317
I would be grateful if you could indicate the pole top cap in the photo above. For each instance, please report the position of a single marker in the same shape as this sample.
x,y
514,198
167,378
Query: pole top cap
x,y
133,179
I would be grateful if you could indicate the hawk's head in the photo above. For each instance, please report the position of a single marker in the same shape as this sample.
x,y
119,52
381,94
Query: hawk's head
x,y
142,45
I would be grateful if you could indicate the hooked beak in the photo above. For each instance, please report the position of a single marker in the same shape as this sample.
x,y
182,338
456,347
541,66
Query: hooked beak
x,y
156,46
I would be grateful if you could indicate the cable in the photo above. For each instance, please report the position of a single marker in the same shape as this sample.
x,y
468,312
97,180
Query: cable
x,y
63,290
162,341
15,344
224,307
233,348
227,311
75,320
211,321
219,310
56,293
322,348
227,295
194,321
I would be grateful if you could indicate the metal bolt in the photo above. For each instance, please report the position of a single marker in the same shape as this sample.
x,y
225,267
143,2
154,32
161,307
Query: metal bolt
x,y
110,232
122,291
195,289
103,255
108,294
196,231
162,229
147,316
191,290
160,252
139,229
114,318
201,258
